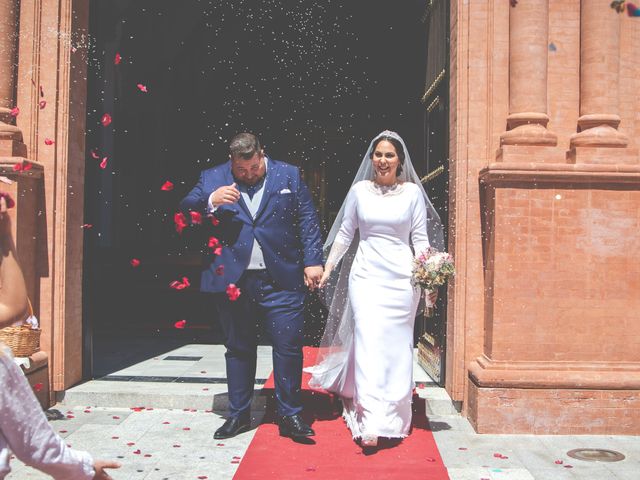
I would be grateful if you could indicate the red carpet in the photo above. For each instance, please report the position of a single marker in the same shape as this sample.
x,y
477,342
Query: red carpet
x,y
333,454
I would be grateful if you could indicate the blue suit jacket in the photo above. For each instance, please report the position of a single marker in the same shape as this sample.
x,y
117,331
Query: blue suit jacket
x,y
286,227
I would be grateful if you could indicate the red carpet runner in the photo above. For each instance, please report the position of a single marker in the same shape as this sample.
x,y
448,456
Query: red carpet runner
x,y
333,454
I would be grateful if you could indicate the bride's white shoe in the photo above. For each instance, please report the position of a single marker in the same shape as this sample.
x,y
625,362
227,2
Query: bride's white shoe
x,y
369,440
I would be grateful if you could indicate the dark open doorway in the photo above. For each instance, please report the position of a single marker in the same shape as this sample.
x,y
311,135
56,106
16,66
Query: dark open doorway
x,y
315,80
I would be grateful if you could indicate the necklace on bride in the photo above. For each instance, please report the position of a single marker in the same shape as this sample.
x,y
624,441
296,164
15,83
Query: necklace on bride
x,y
386,189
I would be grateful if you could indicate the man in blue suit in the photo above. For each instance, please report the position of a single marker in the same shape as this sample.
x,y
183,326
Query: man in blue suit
x,y
272,251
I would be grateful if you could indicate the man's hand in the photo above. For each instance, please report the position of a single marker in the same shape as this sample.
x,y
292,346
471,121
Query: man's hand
x,y
226,195
100,465
312,276
325,276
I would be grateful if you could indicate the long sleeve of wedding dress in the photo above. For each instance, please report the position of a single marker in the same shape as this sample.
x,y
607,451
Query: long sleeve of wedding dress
x,y
345,235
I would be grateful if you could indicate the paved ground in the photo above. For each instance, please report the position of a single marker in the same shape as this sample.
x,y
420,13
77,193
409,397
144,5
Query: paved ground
x,y
157,417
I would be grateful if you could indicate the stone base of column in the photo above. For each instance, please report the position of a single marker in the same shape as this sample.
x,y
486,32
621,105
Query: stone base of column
x,y
554,398
598,130
12,148
561,347
603,156
529,154
528,128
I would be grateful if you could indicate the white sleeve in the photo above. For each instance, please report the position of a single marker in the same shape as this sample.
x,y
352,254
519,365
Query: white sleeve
x,y
419,237
212,209
27,432
348,228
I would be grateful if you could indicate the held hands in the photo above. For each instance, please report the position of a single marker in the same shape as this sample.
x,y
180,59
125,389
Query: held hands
x,y
225,195
432,297
312,277
100,465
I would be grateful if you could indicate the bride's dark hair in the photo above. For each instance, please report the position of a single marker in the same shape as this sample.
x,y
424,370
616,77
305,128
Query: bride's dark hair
x,y
397,145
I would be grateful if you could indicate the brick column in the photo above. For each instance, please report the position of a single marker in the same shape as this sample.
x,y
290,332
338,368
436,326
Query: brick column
x,y
599,64
10,135
528,44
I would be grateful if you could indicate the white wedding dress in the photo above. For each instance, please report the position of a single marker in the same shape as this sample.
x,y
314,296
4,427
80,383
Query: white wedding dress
x,y
378,385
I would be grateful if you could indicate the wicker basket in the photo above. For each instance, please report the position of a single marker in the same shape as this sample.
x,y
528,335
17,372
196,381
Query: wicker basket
x,y
23,340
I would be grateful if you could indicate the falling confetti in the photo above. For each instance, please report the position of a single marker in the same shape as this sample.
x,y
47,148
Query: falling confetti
x,y
48,141
142,88
94,154
215,245
15,111
105,120
38,387
167,186
135,262
117,59
103,163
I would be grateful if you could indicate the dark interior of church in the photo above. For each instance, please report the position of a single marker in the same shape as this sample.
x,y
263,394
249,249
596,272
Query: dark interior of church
x,y
314,80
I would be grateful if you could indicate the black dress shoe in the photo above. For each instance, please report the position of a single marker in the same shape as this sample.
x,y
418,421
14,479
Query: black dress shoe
x,y
294,427
232,427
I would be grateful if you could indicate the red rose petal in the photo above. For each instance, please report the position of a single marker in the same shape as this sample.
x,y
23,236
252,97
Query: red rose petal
x,y
94,154
167,186
136,452
105,120
186,428
233,292
129,444
26,166
568,466
142,87
48,141
166,423
15,111
117,59
103,163
215,221
180,221
17,167
202,477
63,431
115,438
70,416
42,104
115,417
135,262
180,324
185,282
38,387
220,270
559,462
86,225
147,455
196,218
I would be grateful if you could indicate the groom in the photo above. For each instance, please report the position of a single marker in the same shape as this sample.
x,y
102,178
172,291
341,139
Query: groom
x,y
271,250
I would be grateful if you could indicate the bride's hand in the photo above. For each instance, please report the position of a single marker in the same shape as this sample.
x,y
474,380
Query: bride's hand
x,y
325,277
433,297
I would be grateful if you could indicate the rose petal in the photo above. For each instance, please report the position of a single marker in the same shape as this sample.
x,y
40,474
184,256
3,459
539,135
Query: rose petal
x,y
115,417
94,154
220,270
117,59
48,141
17,167
142,87
15,111
26,166
105,120
103,163
167,186
233,292
129,444
135,262
559,462
180,324
42,104
215,221
147,455
38,387
86,225
196,218
136,452
180,221
186,428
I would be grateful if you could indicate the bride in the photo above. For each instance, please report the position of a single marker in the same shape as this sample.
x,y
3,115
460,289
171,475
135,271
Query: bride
x,y
366,354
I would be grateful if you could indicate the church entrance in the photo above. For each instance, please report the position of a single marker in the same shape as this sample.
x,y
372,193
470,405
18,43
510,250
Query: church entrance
x,y
170,82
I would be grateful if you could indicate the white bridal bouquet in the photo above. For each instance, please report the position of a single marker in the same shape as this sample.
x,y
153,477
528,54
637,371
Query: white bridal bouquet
x,y
431,269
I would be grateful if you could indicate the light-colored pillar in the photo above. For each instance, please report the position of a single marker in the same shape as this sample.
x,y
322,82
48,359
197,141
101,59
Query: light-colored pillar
x,y
8,55
528,44
599,77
